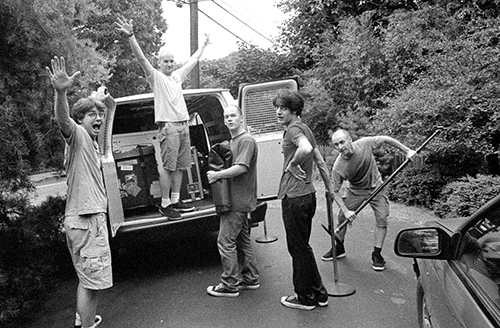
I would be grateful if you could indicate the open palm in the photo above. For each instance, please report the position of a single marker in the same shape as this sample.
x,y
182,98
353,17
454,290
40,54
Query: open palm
x,y
58,77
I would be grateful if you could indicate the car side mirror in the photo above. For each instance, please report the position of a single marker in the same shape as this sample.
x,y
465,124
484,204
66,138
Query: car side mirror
x,y
429,242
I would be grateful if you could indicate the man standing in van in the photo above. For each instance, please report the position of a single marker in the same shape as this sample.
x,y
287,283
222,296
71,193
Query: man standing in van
x,y
171,116
234,243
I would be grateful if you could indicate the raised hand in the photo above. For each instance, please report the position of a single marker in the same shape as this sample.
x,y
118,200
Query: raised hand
x,y
125,26
59,79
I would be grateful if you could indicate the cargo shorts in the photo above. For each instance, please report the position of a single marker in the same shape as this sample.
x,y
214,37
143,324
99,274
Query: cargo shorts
x,y
88,244
175,145
379,204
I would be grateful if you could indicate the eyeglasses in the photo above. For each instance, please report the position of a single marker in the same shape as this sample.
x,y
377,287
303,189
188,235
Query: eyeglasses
x,y
93,115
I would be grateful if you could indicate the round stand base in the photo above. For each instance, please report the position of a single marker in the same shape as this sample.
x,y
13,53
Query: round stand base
x,y
339,289
266,239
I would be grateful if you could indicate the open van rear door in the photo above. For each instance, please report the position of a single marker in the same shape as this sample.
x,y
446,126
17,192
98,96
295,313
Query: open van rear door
x,y
256,102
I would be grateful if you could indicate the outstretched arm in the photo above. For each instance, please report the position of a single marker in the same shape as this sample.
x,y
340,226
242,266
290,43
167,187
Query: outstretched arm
x,y
393,142
61,83
193,60
127,28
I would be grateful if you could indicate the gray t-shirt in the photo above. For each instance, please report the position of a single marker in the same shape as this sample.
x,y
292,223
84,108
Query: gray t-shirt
x,y
244,186
86,193
360,170
290,185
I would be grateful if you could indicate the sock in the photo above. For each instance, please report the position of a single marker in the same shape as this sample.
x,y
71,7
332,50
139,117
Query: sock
x,y
175,197
78,320
377,250
165,202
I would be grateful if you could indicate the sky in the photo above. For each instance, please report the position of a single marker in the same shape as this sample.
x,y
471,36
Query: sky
x,y
257,22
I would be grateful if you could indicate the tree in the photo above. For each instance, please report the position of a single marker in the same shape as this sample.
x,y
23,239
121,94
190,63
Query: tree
x,y
247,65
458,87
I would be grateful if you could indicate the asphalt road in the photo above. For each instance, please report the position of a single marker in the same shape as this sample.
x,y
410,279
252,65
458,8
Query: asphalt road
x,y
163,284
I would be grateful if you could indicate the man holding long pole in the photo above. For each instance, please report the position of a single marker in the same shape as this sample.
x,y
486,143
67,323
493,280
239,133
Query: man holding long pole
x,y
357,166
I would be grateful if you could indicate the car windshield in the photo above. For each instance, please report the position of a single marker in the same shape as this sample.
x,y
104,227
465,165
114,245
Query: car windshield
x,y
480,255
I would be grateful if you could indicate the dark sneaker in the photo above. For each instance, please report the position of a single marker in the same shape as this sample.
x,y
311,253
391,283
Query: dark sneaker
x,y
182,207
322,301
293,302
169,212
98,320
340,253
250,286
221,291
378,262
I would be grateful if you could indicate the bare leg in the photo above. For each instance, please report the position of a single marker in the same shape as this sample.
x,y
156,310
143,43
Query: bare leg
x,y
86,305
176,180
380,233
165,182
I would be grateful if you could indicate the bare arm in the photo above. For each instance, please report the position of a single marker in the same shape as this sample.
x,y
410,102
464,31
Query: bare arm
x,y
230,172
396,144
127,28
61,83
323,171
193,60
304,149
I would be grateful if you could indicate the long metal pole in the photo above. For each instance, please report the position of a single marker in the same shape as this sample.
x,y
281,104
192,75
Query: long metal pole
x,y
195,72
382,186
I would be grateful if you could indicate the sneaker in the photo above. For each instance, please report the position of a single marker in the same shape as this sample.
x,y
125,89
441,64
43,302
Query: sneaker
x,y
378,262
322,303
221,291
340,253
293,302
250,286
182,207
98,320
169,212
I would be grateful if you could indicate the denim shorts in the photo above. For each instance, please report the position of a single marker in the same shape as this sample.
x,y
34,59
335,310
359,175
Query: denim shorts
x,y
175,145
88,243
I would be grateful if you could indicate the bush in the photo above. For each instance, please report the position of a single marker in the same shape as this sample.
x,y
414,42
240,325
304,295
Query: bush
x,y
416,187
32,250
463,197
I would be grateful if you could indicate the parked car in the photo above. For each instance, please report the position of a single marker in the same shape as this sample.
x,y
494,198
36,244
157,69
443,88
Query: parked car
x,y
130,149
457,264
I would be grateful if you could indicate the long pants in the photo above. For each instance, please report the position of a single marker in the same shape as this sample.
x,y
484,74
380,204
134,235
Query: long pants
x,y
236,251
298,213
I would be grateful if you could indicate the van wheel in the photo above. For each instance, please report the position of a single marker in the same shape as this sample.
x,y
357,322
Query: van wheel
x,y
424,318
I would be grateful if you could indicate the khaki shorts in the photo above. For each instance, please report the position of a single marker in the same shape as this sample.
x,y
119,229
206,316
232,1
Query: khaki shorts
x,y
379,204
175,145
88,243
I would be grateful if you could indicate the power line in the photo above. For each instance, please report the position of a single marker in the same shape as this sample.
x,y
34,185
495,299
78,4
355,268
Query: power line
x,y
247,11
265,37
216,22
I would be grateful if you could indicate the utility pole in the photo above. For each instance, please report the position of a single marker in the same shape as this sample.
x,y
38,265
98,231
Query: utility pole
x,y
195,73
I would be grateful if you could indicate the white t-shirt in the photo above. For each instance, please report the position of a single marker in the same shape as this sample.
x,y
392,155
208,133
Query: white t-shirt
x,y
169,102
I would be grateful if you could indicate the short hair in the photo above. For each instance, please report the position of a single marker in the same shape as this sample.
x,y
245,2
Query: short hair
x,y
164,52
237,107
85,105
292,100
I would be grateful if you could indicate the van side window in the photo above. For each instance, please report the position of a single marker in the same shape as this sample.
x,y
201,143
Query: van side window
x,y
134,117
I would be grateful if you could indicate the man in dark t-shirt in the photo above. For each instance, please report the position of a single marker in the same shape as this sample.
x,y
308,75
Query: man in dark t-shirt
x,y
234,232
298,201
